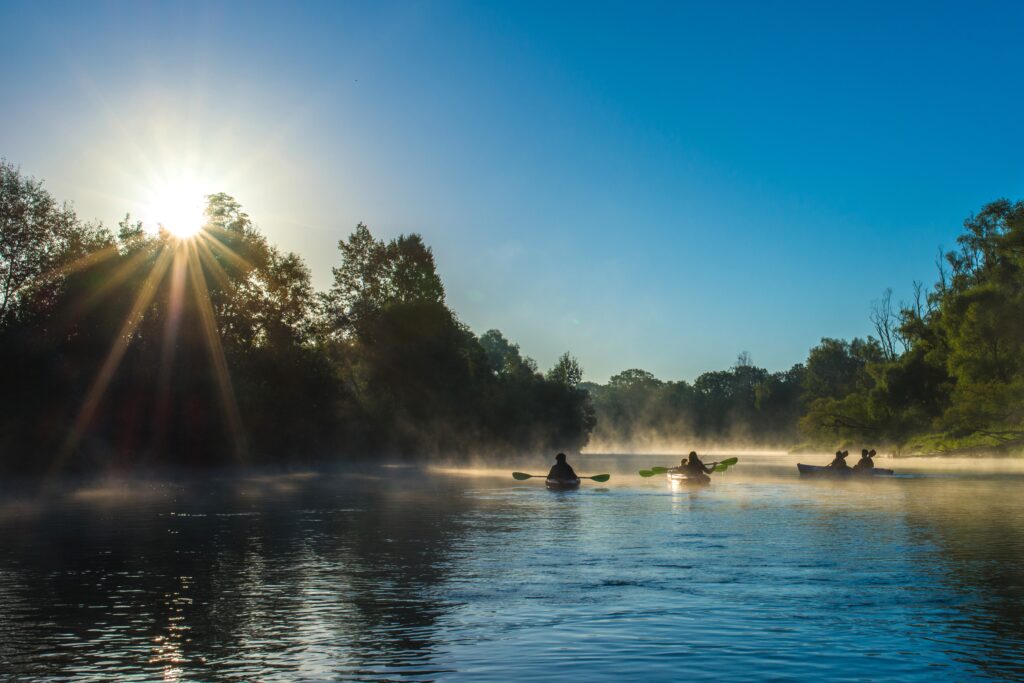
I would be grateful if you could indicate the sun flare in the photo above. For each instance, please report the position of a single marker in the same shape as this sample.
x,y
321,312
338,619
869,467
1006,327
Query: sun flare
x,y
176,207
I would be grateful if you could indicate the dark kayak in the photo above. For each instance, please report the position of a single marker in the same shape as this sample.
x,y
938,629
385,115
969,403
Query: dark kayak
x,y
684,479
830,473
562,484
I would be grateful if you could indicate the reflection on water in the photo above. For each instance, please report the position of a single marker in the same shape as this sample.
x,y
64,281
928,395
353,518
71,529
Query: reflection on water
x,y
447,574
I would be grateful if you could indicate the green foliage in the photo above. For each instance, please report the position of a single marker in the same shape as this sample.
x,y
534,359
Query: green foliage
x,y
143,348
836,367
567,371
634,380
959,382
743,403
503,357
374,274
40,241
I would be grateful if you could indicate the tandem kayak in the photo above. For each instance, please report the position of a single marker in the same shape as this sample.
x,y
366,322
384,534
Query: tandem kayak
x,y
830,473
562,484
684,479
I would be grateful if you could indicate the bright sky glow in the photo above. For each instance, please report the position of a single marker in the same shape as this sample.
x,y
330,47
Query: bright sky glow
x,y
177,207
659,186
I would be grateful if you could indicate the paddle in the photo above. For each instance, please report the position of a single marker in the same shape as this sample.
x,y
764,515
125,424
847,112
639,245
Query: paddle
x,y
720,466
726,464
657,470
522,476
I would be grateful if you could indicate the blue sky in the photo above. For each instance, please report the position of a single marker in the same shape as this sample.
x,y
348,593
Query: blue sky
x,y
647,185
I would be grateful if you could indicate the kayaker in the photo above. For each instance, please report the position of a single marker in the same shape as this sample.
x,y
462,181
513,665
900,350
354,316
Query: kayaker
x,y
839,463
561,471
694,467
866,461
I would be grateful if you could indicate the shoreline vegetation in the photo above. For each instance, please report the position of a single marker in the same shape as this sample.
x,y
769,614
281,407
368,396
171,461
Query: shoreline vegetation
x,y
133,349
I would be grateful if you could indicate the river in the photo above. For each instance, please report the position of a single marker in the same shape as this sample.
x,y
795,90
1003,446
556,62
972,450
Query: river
x,y
407,573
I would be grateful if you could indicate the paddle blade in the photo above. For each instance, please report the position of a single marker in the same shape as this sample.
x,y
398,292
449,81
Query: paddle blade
x,y
659,470
601,477
729,462
721,467
521,475
646,473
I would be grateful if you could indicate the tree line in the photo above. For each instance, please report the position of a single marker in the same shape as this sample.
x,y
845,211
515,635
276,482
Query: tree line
x,y
129,347
943,372
745,404
946,370
126,347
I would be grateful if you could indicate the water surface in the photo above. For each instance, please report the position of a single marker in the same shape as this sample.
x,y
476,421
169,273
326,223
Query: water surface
x,y
413,574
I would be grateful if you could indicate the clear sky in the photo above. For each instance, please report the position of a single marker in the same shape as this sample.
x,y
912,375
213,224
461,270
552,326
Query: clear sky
x,y
647,185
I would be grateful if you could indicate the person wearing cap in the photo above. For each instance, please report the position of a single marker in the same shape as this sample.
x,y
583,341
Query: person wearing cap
x,y
866,461
561,471
839,463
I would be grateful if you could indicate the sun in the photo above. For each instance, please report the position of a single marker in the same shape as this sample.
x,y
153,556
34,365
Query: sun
x,y
176,207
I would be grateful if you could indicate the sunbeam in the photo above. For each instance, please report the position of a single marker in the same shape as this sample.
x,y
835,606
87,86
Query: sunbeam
x,y
216,350
176,304
95,295
189,261
116,353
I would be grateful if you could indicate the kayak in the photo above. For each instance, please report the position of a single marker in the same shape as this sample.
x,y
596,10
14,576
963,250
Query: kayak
x,y
562,484
684,479
829,473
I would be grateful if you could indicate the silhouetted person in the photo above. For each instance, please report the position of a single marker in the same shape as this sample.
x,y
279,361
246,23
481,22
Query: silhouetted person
x,y
866,461
694,468
839,463
561,470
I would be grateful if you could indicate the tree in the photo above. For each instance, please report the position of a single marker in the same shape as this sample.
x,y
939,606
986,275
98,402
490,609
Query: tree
x,y
566,371
41,241
150,347
503,356
634,379
886,322
835,367
374,274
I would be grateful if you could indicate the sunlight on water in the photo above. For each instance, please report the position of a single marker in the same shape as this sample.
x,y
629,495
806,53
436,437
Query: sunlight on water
x,y
464,573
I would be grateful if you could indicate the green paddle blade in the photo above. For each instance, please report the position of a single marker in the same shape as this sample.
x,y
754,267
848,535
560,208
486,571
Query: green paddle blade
x,y
729,462
521,475
659,470
721,467
601,477
646,473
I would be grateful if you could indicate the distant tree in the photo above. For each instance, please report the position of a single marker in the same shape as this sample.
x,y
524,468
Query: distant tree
x,y
503,356
566,371
744,402
634,379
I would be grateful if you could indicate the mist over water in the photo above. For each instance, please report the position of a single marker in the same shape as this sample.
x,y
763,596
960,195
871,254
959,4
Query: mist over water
x,y
413,573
